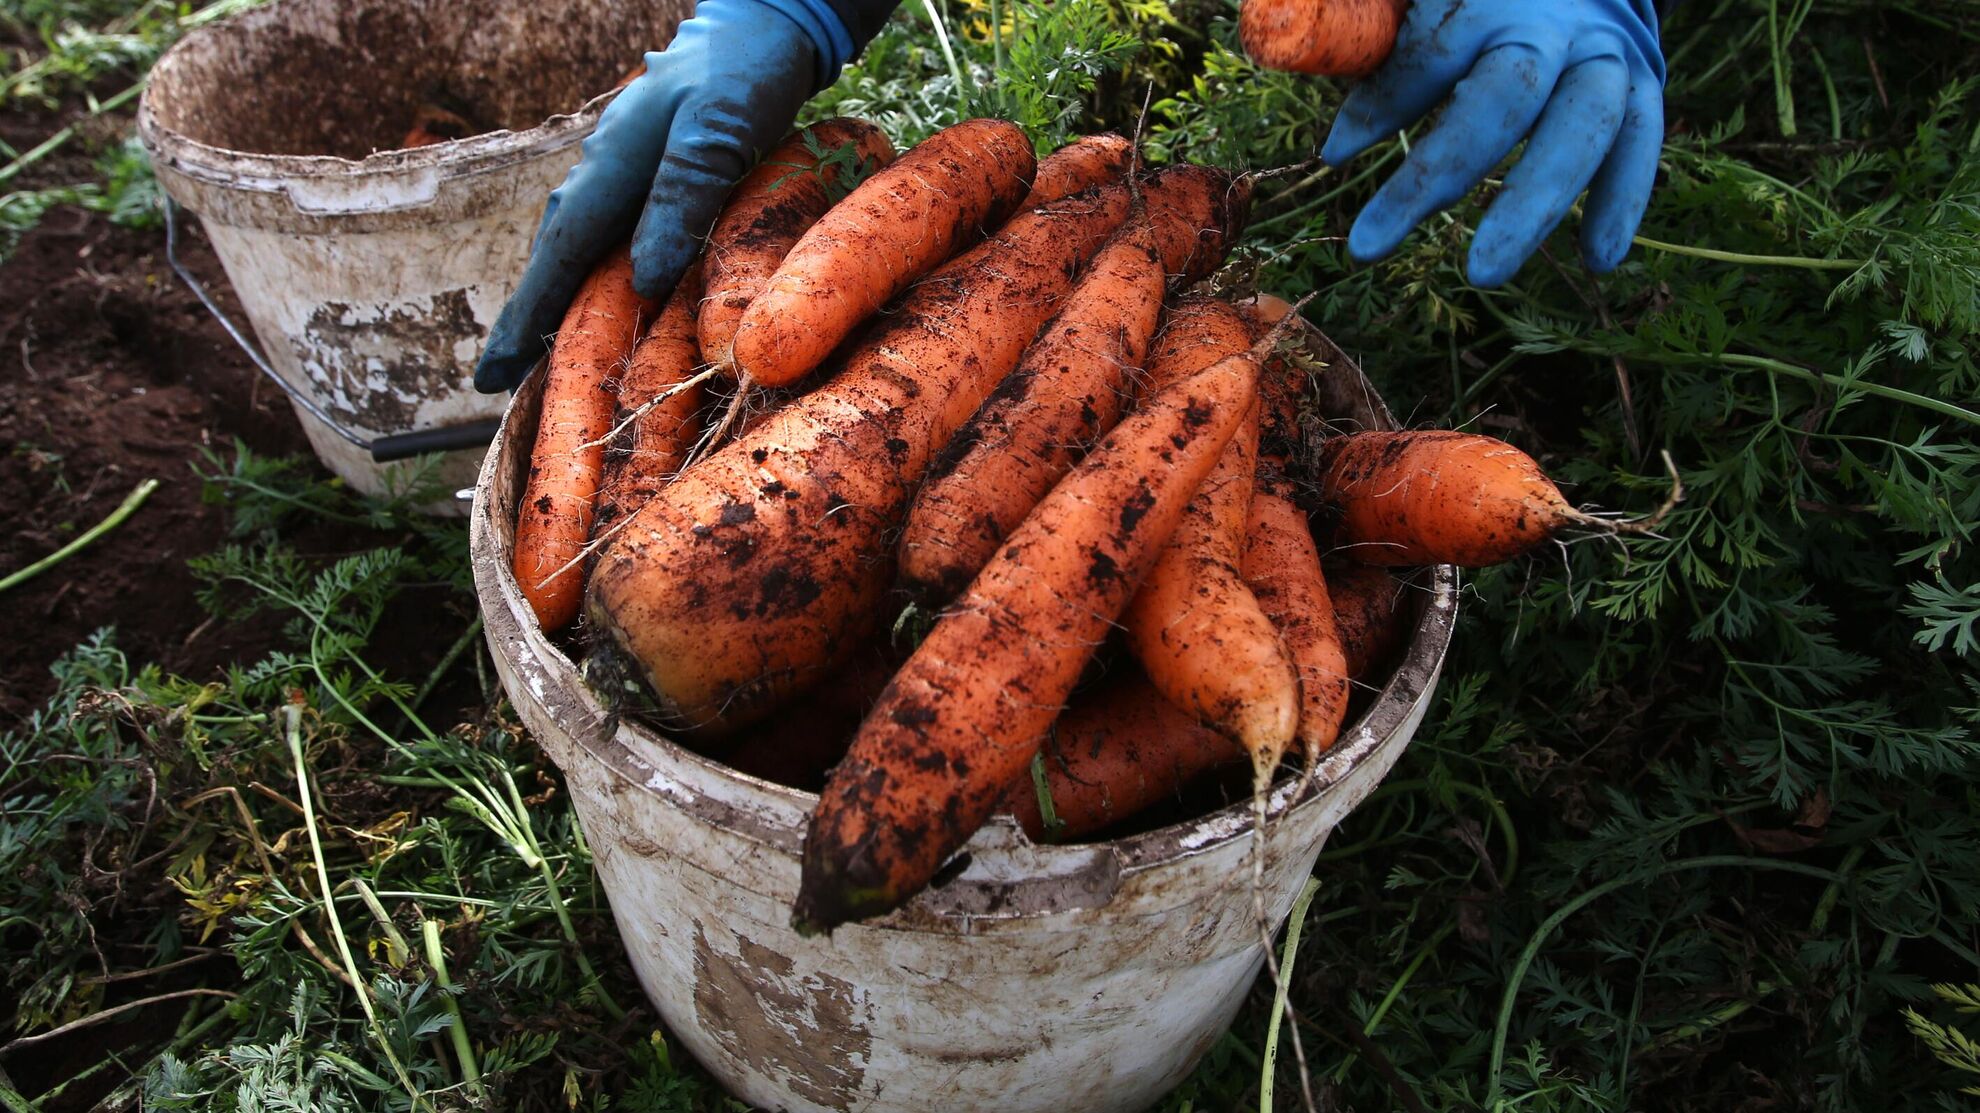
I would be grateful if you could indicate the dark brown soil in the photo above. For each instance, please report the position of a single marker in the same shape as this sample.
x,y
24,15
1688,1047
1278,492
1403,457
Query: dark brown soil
x,y
115,374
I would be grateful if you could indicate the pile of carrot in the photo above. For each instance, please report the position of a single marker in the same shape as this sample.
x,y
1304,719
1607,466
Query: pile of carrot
x,y
977,395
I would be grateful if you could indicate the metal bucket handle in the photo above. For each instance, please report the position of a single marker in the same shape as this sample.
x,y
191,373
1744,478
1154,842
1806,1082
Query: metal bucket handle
x,y
397,446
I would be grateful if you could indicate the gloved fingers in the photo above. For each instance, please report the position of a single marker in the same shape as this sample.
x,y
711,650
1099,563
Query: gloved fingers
x,y
715,141
591,213
1432,53
1490,111
1567,147
1622,186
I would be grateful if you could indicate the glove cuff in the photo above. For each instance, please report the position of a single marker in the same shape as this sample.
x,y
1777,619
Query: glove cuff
x,y
822,25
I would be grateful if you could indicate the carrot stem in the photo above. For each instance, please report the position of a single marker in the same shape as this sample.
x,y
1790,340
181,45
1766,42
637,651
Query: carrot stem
x,y
1294,922
1750,260
129,506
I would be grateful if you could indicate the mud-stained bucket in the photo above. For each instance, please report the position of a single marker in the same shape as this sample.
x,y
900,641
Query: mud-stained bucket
x,y
1041,978
371,275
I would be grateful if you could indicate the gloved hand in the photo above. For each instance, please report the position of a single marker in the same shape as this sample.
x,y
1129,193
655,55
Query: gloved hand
x,y
662,160
1584,77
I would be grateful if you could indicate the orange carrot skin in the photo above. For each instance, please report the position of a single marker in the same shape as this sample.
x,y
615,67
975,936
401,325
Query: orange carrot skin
x,y
1369,617
767,212
767,561
1437,497
1195,627
1199,211
763,564
1282,567
1081,164
657,443
567,463
895,227
1115,753
1331,38
963,717
1067,392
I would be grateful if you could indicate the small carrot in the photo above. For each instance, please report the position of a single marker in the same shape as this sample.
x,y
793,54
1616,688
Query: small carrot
x,y
1440,497
1369,616
568,459
770,209
1195,626
1331,38
961,720
1114,753
895,227
433,124
1068,391
1089,161
655,444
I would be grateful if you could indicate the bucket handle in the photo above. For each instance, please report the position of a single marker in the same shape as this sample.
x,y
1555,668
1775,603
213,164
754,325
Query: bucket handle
x,y
397,446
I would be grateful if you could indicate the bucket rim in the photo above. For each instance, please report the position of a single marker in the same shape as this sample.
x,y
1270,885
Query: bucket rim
x,y
627,745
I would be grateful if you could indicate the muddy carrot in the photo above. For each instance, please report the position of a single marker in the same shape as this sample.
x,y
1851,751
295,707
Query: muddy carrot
x,y
568,459
1440,497
762,565
769,210
1369,617
1069,390
1089,161
1195,626
1332,38
895,227
1115,753
661,431
963,717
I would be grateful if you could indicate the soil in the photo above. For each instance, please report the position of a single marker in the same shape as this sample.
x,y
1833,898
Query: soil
x,y
111,373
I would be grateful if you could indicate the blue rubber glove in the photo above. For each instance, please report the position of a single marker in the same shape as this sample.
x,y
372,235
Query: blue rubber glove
x,y
662,160
1581,80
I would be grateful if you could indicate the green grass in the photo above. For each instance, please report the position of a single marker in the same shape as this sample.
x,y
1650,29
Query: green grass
x,y
1691,825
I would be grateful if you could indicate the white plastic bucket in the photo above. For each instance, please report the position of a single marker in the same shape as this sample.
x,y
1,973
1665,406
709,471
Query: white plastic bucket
x,y
1084,977
371,275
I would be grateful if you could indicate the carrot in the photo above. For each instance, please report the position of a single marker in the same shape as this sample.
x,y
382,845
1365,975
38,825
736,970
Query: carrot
x,y
1440,497
1067,392
766,562
630,76
1332,38
895,227
433,124
770,209
1368,615
1116,752
965,714
1282,568
1082,163
1195,626
566,464
656,443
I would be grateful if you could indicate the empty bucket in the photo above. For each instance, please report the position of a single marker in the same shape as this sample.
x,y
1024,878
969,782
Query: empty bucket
x,y
371,275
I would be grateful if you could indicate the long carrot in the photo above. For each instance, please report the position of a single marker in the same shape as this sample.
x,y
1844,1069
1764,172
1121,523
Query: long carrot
x,y
762,565
770,209
1069,390
1114,753
1332,38
965,714
1369,617
895,227
568,459
1195,626
1440,497
1085,162
655,445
